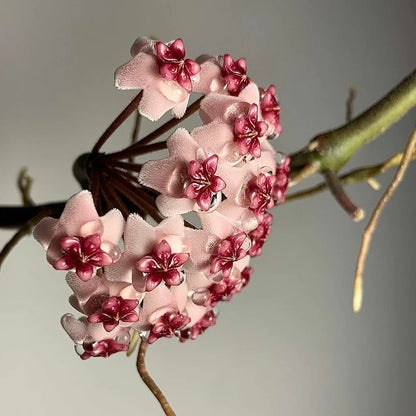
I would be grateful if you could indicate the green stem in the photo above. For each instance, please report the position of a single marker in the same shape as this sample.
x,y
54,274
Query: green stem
x,y
334,148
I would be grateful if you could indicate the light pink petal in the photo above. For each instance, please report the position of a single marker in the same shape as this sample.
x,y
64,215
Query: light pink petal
x,y
224,107
84,290
75,329
214,137
78,210
195,312
197,280
113,223
182,143
45,231
202,245
210,77
91,227
138,236
250,94
180,294
139,73
178,110
170,206
155,304
162,175
154,104
142,44
170,226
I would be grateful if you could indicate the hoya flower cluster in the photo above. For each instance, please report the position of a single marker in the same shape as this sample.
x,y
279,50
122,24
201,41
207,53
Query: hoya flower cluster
x,y
166,280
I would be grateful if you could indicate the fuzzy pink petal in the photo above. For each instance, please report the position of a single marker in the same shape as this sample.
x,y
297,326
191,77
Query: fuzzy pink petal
x,y
155,304
154,104
170,206
162,175
214,137
139,73
210,77
224,107
178,109
83,290
202,245
142,44
75,329
250,94
180,294
113,223
78,210
45,231
182,143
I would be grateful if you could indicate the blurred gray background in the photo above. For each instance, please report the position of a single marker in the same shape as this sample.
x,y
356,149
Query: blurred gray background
x,y
290,343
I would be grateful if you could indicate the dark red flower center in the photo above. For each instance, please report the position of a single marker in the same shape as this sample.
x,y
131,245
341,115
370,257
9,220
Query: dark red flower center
x,y
230,250
247,131
270,109
103,348
162,265
173,66
203,184
235,74
114,310
167,325
83,254
260,194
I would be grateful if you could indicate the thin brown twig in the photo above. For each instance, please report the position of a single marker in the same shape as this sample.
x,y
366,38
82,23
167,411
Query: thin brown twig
x,y
136,130
120,119
20,233
128,153
24,183
152,386
365,244
341,196
352,93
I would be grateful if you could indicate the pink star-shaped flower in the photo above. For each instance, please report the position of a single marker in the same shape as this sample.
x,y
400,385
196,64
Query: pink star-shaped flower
x,y
203,183
235,74
229,251
173,66
260,194
282,181
161,264
82,254
116,310
80,239
247,131
166,325
208,320
163,74
270,110
259,235
103,348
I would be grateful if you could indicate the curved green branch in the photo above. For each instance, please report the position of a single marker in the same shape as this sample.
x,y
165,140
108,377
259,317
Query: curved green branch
x,y
332,150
